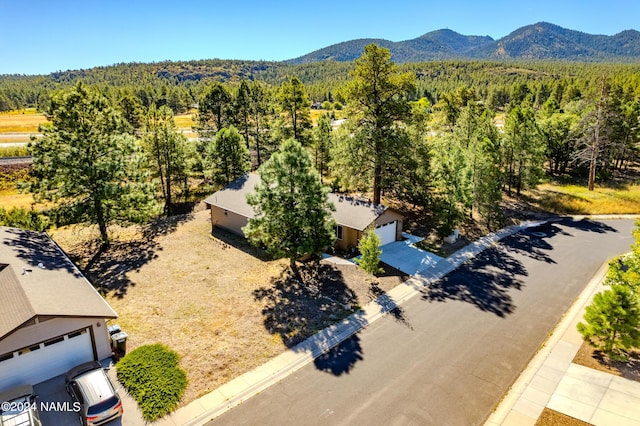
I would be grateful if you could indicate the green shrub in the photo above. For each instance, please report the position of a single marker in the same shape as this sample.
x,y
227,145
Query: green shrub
x,y
152,376
369,247
14,151
24,218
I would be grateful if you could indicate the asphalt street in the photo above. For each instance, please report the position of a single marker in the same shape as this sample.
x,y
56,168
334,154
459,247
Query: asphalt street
x,y
448,356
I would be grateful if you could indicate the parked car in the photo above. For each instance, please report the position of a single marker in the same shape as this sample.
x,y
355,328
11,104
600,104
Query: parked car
x,y
18,407
89,385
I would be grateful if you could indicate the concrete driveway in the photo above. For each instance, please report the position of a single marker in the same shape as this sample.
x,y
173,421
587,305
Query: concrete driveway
x,y
403,255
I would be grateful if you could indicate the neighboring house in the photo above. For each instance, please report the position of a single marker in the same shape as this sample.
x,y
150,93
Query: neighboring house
x,y
230,211
51,317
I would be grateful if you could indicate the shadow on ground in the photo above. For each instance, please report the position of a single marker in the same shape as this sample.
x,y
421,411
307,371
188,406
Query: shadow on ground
x,y
296,309
487,281
226,239
107,268
389,305
36,249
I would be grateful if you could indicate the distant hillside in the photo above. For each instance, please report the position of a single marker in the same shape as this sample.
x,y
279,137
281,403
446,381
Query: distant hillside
x,y
541,41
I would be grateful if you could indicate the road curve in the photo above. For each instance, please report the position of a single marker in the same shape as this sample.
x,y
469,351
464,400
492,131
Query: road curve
x,y
449,356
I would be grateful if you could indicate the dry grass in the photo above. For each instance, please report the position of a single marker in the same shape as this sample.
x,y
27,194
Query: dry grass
x,y
216,301
13,199
550,417
21,123
573,199
185,121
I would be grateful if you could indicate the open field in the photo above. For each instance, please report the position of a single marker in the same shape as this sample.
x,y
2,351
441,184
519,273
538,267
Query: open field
x,y
16,122
13,199
217,301
185,121
573,199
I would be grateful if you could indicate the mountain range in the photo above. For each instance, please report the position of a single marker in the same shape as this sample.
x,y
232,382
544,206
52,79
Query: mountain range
x,y
541,41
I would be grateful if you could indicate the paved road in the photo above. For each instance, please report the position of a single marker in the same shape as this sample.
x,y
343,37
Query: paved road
x,y
447,357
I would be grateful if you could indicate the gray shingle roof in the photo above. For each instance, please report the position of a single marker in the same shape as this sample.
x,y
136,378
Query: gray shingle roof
x,y
39,279
350,211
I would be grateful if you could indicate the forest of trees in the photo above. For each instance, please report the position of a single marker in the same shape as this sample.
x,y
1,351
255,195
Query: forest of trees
x,y
450,137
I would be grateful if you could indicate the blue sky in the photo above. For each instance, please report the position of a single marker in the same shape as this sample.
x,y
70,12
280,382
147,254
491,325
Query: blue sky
x,y
43,36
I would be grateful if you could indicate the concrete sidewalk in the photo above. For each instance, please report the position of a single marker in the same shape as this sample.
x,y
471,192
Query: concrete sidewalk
x,y
552,380
249,384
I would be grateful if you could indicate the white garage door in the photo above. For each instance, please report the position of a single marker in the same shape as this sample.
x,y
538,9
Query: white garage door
x,y
387,233
46,360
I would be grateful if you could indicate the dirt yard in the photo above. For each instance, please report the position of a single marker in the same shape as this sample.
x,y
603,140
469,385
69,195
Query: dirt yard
x,y
220,303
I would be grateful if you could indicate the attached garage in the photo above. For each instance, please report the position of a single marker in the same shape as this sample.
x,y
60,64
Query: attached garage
x,y
51,318
41,361
387,232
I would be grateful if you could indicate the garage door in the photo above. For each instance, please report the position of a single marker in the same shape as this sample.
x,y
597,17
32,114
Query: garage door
x,y
45,360
387,233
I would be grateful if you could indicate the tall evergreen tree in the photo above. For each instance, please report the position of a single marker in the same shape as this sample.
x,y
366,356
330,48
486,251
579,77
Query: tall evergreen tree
x,y
296,108
293,216
453,182
214,111
260,117
523,149
322,141
227,158
242,110
88,164
166,149
377,107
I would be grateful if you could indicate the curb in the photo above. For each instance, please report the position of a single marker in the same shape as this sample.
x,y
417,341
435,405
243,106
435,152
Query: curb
x,y
510,398
255,381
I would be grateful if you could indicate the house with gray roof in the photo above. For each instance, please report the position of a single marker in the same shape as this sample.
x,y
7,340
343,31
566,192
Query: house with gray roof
x,y
51,317
230,211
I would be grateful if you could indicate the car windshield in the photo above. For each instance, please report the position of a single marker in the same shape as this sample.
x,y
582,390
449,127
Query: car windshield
x,y
103,406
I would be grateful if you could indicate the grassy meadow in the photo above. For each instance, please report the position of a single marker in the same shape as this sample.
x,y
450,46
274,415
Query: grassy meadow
x,y
574,199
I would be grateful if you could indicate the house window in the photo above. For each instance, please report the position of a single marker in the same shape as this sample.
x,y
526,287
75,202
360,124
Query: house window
x,y
339,232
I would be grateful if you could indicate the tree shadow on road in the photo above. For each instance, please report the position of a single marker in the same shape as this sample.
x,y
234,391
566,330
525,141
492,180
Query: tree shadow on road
x,y
388,305
296,310
485,283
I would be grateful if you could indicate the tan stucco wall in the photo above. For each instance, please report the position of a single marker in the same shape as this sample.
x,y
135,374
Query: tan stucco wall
x,y
56,327
349,239
230,221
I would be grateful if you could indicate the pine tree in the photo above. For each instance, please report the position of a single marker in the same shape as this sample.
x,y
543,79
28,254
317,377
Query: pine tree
x,y
166,150
227,158
89,165
377,107
369,246
613,322
292,210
